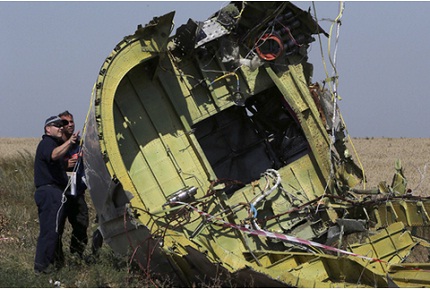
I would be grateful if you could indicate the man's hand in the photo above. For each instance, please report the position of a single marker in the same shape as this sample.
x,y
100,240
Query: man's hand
x,y
74,137
72,161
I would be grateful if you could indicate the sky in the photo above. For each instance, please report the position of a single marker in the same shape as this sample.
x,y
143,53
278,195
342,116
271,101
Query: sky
x,y
51,53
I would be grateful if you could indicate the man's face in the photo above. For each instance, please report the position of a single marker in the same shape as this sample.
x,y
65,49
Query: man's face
x,y
69,128
55,130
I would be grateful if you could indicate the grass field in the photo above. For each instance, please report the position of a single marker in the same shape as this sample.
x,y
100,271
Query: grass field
x,y
19,229
10,147
377,155
19,222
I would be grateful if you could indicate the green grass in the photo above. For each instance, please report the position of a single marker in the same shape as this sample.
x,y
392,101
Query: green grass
x,y
19,229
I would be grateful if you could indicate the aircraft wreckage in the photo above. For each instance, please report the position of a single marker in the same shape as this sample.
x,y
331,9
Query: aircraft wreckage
x,y
212,154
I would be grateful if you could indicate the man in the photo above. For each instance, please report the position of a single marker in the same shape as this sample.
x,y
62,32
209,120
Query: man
x,y
50,179
76,209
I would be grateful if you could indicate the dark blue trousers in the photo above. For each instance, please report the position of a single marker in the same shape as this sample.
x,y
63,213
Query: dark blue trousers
x,y
76,210
49,250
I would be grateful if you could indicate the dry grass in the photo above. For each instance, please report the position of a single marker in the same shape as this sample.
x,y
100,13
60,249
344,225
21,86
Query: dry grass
x,y
19,229
10,147
376,154
19,221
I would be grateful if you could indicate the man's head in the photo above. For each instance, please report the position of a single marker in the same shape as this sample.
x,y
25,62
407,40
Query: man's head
x,y
70,127
54,126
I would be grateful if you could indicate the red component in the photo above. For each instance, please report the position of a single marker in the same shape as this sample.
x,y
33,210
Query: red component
x,y
269,47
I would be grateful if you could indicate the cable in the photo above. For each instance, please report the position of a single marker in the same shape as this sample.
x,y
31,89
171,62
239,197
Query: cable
x,y
270,172
84,128
75,168
333,83
271,39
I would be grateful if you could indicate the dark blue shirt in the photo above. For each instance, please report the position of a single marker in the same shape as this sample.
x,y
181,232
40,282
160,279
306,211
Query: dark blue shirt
x,y
46,170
